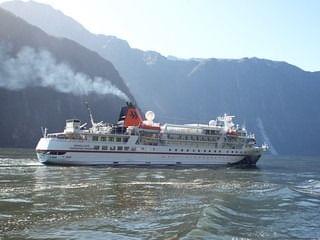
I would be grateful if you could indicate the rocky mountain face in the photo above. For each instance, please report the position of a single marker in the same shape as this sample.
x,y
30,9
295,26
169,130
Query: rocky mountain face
x,y
275,100
44,80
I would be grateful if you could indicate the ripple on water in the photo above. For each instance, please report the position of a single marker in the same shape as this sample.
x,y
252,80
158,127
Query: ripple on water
x,y
19,162
16,200
310,187
108,203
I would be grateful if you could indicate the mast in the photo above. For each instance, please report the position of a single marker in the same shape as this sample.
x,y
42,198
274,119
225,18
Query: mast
x,y
90,114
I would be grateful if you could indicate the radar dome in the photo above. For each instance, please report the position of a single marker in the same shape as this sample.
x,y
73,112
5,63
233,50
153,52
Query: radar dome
x,y
149,116
212,122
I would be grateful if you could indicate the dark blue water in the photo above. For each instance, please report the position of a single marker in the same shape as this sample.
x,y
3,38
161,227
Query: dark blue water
x,y
280,199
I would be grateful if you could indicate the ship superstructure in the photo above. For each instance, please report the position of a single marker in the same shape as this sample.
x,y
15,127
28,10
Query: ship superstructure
x,y
133,141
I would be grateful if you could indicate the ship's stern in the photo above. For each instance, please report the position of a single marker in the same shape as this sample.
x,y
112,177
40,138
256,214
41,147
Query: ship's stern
x,y
252,156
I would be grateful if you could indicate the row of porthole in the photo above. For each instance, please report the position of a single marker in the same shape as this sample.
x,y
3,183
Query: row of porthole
x,y
121,148
194,150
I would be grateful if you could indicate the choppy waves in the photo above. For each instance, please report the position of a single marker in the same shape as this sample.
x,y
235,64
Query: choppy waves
x,y
37,201
310,187
18,162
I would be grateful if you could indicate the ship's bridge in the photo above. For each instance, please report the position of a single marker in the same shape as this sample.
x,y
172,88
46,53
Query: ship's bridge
x,y
72,126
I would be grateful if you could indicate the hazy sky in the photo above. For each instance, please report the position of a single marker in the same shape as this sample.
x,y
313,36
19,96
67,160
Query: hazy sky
x,y
287,30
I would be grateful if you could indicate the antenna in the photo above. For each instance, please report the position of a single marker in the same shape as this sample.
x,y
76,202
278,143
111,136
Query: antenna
x,y
90,113
44,132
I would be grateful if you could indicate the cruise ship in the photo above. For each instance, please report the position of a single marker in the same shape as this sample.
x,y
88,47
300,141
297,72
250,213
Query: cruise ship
x,y
134,141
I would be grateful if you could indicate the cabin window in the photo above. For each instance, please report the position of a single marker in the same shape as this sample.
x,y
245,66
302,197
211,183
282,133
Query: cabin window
x,y
104,147
55,153
176,150
103,139
198,150
119,148
96,147
112,148
204,150
187,150
125,139
111,139
118,139
95,138
169,149
126,148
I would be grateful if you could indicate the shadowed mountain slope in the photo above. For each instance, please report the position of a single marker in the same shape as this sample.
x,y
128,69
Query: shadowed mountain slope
x,y
45,80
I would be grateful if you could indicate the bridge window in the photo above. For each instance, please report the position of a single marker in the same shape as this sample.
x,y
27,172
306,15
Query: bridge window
x,y
103,139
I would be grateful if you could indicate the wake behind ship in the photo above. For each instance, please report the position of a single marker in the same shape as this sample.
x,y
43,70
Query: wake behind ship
x,y
133,141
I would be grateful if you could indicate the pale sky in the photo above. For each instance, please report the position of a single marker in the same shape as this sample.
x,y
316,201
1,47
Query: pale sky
x,y
285,30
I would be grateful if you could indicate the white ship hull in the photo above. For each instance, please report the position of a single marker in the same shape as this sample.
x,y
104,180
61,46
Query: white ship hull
x,y
73,152
137,142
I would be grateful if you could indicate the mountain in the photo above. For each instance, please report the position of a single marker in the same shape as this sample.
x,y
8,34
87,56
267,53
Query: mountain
x,y
275,100
45,80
